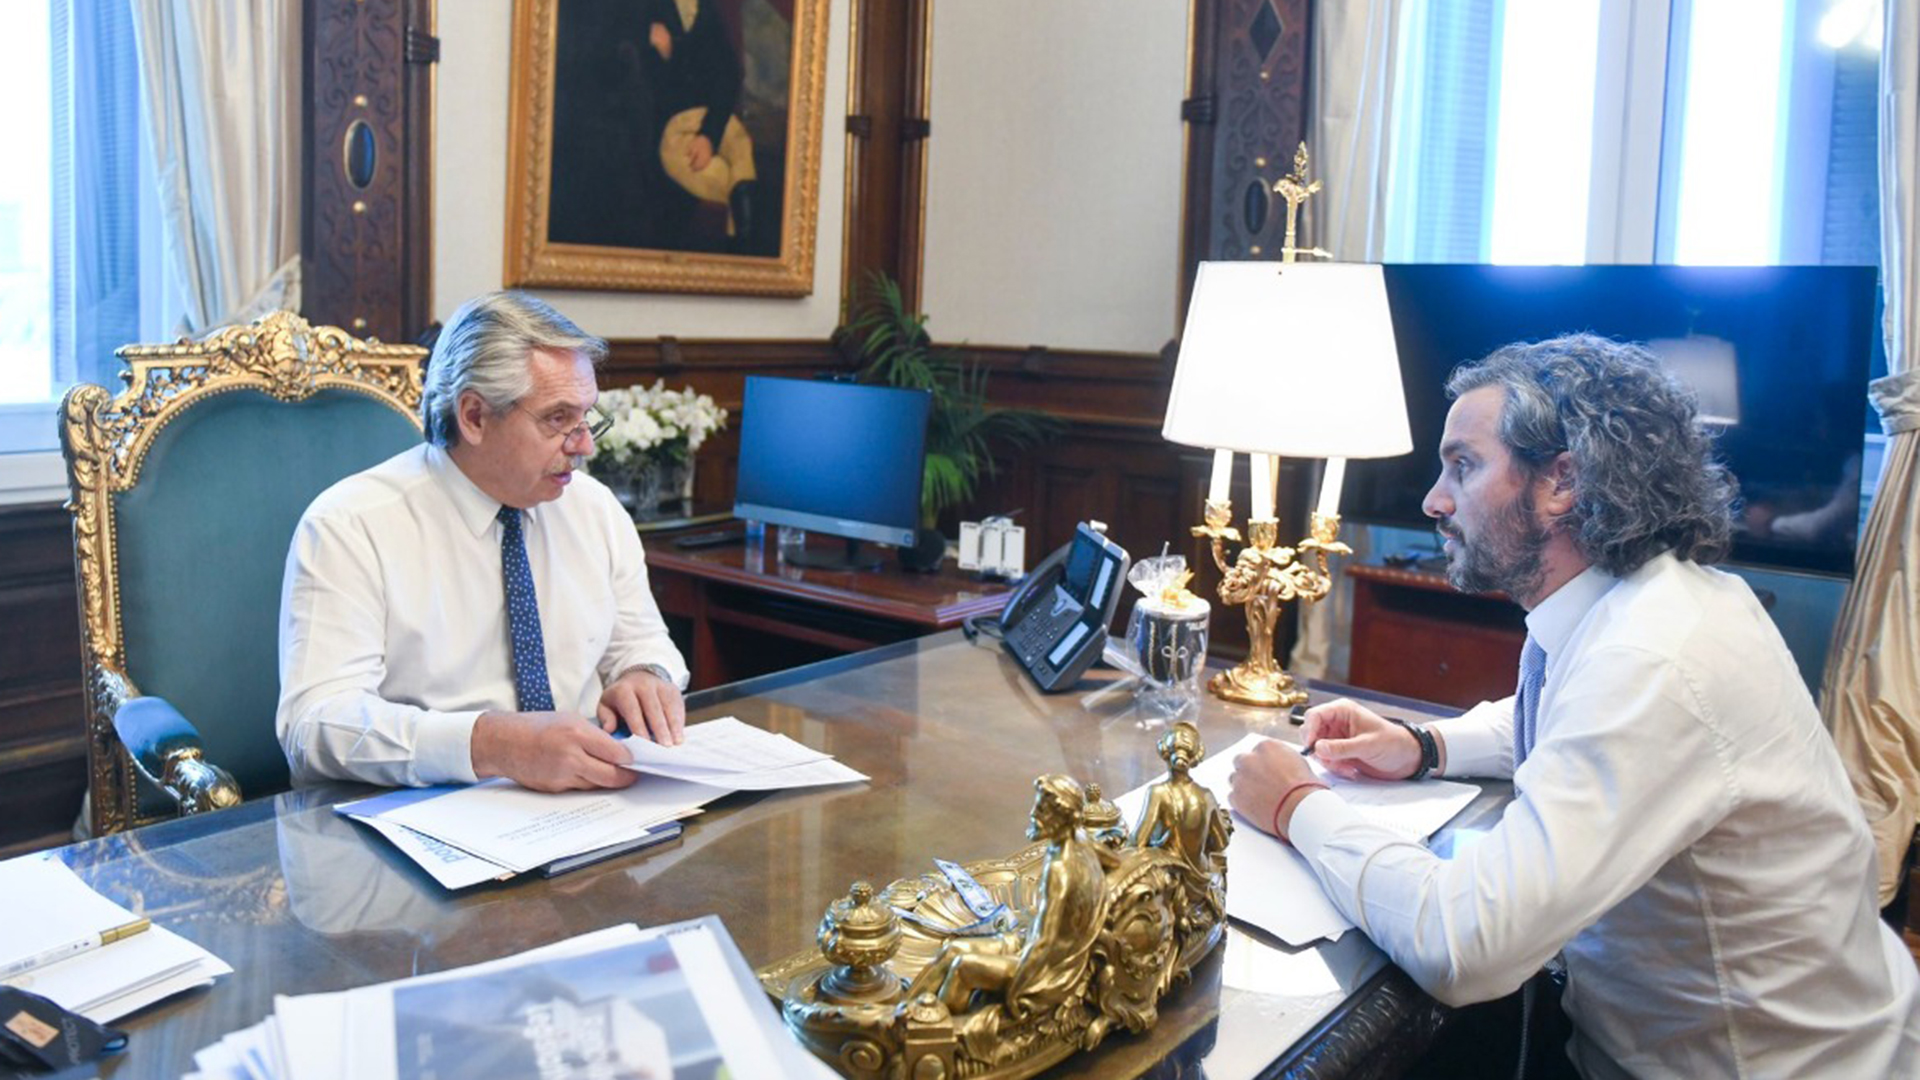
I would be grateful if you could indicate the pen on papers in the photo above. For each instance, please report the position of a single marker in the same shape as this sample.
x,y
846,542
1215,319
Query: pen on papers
x,y
72,948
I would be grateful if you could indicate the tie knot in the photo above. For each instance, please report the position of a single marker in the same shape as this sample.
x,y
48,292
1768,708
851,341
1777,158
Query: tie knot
x,y
1533,659
509,518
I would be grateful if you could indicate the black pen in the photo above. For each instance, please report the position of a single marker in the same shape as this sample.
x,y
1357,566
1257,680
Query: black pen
x,y
1307,750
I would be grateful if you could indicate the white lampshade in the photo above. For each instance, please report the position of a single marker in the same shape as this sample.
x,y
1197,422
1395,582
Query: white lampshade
x,y
1296,359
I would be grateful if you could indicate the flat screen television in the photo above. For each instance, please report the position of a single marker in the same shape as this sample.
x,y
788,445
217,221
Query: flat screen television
x,y
1777,355
833,457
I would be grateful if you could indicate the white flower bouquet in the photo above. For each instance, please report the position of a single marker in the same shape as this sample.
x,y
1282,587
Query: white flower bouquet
x,y
653,425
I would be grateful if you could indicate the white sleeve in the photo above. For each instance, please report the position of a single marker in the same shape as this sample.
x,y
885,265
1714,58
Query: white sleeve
x,y
639,633
1480,740
332,721
1621,782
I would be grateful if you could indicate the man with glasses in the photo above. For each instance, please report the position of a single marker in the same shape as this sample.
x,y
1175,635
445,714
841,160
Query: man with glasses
x,y
455,613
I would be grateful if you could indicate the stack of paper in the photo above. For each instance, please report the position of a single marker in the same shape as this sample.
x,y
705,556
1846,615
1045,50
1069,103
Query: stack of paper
x,y
492,830
1269,884
671,1001
740,757
48,910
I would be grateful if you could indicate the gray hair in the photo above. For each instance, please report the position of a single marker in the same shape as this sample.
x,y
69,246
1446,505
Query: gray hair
x,y
485,347
1645,479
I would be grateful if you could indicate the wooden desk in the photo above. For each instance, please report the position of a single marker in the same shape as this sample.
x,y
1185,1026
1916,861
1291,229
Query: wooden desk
x,y
738,611
300,900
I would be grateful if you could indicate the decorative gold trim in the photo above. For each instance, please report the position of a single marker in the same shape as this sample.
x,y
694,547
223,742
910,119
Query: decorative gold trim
x,y
534,260
105,438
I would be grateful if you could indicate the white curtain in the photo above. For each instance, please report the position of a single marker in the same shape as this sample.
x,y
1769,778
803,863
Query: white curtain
x,y
222,86
1349,135
1871,693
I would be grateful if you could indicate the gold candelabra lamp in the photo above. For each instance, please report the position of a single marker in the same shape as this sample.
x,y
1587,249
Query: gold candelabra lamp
x,y
1283,359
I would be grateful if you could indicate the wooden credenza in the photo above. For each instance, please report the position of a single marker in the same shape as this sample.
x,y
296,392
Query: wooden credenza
x,y
1413,634
738,611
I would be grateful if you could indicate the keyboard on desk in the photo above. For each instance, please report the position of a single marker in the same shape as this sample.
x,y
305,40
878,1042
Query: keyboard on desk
x,y
710,538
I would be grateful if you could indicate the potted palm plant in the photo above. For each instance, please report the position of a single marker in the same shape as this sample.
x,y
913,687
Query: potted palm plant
x,y
893,348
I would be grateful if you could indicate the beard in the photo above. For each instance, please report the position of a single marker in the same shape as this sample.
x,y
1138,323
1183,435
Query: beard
x,y
1507,557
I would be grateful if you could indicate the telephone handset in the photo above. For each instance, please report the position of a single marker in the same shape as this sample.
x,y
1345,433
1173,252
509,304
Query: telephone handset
x,y
1055,624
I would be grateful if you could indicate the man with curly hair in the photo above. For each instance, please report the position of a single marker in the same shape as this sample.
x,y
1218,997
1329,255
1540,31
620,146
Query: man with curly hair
x,y
1682,834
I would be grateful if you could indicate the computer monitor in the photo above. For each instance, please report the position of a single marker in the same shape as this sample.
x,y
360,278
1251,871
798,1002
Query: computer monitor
x,y
833,457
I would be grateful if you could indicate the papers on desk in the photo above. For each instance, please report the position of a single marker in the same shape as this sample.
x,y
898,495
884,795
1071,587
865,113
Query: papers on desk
x,y
1269,884
673,1000
739,756
45,905
496,829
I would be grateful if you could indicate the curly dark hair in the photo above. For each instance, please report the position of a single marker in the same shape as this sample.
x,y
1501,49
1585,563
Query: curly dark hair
x,y
1646,479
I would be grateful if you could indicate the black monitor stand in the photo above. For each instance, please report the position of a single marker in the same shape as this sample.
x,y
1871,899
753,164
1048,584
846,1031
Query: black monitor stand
x,y
847,558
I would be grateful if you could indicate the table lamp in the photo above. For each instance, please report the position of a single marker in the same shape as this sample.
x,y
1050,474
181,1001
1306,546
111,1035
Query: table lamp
x,y
1293,359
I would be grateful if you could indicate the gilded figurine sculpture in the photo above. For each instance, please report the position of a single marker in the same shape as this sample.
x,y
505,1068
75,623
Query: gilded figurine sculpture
x,y
917,982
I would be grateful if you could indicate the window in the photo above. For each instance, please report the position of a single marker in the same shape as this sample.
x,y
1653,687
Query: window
x,y
1692,131
80,272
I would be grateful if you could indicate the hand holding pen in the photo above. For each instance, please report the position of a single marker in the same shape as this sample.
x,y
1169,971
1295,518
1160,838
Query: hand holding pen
x,y
1353,741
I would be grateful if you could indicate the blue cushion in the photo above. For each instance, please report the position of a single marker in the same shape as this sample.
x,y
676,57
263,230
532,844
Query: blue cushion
x,y
202,541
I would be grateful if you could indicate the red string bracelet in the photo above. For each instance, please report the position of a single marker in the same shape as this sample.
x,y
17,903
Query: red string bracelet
x,y
1287,794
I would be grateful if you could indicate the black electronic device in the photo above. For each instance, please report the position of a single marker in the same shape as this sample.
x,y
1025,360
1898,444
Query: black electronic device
x,y
832,457
1779,357
710,538
1055,624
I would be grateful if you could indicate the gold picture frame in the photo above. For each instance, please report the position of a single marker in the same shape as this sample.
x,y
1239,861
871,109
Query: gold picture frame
x,y
609,185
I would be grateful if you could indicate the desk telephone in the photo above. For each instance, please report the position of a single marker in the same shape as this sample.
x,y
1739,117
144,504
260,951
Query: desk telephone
x,y
1055,624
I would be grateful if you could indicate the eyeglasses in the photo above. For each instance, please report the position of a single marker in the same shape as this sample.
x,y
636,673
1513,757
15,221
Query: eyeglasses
x,y
593,424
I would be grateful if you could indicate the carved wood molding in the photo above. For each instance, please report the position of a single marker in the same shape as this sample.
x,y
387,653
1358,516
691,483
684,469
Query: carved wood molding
x,y
366,223
1245,113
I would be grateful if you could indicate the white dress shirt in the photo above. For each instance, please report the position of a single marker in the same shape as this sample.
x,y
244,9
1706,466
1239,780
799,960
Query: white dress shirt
x,y
1682,831
393,618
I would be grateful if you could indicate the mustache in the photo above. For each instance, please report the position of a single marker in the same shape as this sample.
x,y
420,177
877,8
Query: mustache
x,y
576,462
1445,527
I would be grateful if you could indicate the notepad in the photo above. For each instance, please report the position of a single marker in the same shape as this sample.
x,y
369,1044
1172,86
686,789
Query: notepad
x,y
44,903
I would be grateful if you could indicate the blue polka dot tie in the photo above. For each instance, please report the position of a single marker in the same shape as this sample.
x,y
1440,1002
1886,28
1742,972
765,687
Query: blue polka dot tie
x,y
530,684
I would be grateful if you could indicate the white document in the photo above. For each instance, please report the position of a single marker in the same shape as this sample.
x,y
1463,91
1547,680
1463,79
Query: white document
x,y
451,867
1269,884
725,745
505,823
823,773
732,754
44,903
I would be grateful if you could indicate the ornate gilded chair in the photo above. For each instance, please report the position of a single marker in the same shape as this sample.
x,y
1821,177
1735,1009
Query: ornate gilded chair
x,y
186,488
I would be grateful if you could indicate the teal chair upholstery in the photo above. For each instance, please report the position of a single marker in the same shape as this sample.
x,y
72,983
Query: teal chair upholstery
x,y
186,488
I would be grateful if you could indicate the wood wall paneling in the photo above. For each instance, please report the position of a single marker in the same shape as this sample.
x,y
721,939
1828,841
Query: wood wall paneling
x,y
1246,111
43,774
368,250
887,130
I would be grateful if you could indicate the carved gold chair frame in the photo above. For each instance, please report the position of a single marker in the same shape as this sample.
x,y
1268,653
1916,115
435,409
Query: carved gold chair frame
x,y
105,438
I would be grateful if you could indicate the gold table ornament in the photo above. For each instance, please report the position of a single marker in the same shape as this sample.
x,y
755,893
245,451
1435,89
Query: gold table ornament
x,y
1263,576
1096,924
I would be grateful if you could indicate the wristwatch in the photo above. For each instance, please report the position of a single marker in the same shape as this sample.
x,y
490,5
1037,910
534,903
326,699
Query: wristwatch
x,y
1429,748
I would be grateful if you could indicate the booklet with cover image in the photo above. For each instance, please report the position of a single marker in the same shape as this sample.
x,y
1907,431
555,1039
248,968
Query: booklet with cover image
x,y
627,1013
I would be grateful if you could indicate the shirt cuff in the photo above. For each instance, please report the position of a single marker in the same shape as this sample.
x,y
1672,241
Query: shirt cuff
x,y
1316,819
1476,746
443,748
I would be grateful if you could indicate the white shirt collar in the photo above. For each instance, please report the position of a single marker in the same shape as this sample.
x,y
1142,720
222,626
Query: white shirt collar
x,y
1552,621
476,508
